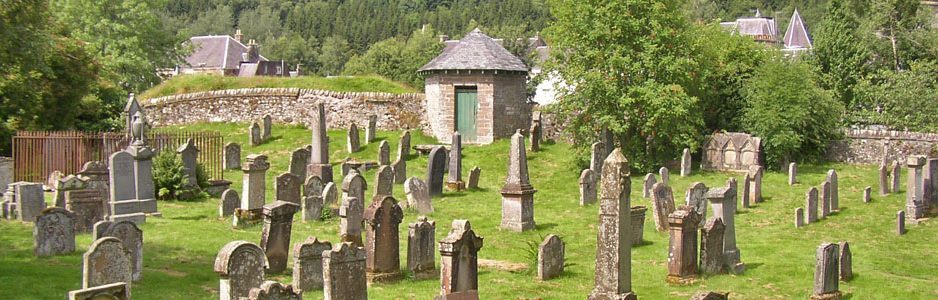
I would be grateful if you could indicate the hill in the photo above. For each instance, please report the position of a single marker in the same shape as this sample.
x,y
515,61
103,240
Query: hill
x,y
200,83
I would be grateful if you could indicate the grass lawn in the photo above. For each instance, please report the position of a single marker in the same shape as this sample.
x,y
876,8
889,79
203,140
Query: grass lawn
x,y
200,83
180,248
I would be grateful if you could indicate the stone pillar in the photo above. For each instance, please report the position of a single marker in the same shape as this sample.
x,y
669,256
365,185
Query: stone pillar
x,y
354,142
682,250
254,187
459,260
455,182
724,207
319,154
517,193
143,169
614,238
915,194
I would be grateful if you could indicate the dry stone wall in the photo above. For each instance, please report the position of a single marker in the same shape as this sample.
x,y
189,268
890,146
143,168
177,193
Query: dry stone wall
x,y
864,146
289,105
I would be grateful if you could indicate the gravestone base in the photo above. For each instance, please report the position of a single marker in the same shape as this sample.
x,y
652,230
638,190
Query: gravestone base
x,y
216,187
518,210
914,213
682,280
426,274
467,295
611,296
243,218
384,277
136,218
148,206
456,185
829,296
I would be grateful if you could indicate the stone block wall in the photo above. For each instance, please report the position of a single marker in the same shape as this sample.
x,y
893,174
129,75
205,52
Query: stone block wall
x,y
861,146
512,109
6,173
289,105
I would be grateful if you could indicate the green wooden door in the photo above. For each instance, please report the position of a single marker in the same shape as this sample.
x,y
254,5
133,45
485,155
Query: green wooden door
x,y
467,108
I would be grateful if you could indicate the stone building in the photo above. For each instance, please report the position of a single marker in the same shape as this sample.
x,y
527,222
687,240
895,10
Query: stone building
x,y
476,87
731,151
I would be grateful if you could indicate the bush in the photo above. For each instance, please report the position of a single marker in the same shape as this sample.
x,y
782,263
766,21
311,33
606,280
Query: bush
x,y
170,178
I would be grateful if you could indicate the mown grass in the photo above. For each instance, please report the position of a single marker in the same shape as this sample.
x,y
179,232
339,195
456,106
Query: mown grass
x,y
181,247
200,83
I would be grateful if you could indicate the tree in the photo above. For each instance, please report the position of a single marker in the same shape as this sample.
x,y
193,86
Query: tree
x,y
906,100
839,55
900,32
333,55
260,23
217,21
794,116
398,58
627,63
294,50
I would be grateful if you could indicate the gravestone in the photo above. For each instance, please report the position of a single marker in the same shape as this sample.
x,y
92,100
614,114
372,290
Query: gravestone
x,y
418,195
372,129
811,205
587,187
299,159
384,154
834,190
535,134
232,156
682,246
54,232
131,238
755,183
354,186
826,281
399,168
894,176
825,199
350,221
696,198
275,237
254,188
330,195
311,208
272,290
455,182
867,193
474,174
115,291
609,140
647,185
550,258
613,276
883,180
267,127
343,270
254,134
799,217
382,242
313,186
307,263
106,262
98,178
228,203
710,296
731,151
662,205
421,243
931,181
915,202
65,184
846,262
384,181
319,151
597,156
88,207
685,163
517,193
240,264
403,147
723,203
30,201
435,168
353,144
792,173
746,192
900,222
712,259
189,154
459,259
288,188
665,175
123,188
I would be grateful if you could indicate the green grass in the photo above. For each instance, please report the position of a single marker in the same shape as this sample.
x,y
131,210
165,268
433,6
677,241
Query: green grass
x,y
200,83
180,248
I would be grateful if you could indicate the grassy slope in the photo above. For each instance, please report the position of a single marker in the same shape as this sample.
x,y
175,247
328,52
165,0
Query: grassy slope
x,y
200,83
180,247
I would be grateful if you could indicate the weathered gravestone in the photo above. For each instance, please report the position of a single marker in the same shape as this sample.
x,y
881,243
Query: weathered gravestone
x,y
550,258
826,281
131,238
343,270
792,173
755,183
272,290
459,259
665,175
900,222
288,188
106,262
313,201
421,262
54,232
267,127
232,156
834,190
587,187
799,217
399,169
418,195
535,134
867,194
435,168
894,176
915,202
613,251
685,163
696,198
313,186
597,156
647,184
307,263
517,193
89,207
682,246
723,203
811,205
240,264
371,132
229,202
712,260
354,143
883,179
382,242
319,151
65,184
253,189
350,223
354,186
189,154
746,179
254,134
662,205
474,174
930,181
846,262
403,147
330,195
275,238
384,181
825,194
98,178
710,296
455,182
299,159
384,153
30,201
115,291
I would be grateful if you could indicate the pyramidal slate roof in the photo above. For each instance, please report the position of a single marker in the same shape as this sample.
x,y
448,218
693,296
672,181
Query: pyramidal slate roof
x,y
476,51
216,51
797,34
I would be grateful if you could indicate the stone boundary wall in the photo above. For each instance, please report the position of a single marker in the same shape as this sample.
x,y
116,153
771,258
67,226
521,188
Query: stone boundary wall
x,y
289,105
863,146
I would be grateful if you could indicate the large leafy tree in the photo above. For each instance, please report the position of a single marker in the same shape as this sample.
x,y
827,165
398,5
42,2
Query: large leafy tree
x,y
900,31
906,100
839,56
334,54
628,63
398,58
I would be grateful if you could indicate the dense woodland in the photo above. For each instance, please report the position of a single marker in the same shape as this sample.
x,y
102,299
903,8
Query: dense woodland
x,y
70,64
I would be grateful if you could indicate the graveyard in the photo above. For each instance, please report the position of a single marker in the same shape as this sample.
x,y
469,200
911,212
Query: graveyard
x,y
180,247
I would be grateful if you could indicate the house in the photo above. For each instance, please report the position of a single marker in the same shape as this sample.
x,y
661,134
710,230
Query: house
x,y
219,54
761,29
546,91
475,86
797,37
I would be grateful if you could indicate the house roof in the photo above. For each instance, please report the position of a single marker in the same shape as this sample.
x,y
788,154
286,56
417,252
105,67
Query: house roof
x,y
797,34
758,27
216,51
476,51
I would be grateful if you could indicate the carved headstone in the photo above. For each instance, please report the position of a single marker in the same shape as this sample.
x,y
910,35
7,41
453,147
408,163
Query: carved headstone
x,y
799,217
421,244
189,154
254,134
267,127
647,185
435,168
384,154
712,259
311,208
587,187
272,290
894,176
241,265
826,281
382,242
88,206
517,193
731,151
825,194
354,186
662,205
343,270
30,201
228,203
54,232
275,237
384,181
834,194
696,198
307,263
254,188
746,186
550,258
811,205
900,222
65,184
597,156
613,277
98,179
313,186
867,194
287,188
299,159
883,179
665,175
403,148
232,156
474,177
330,195
371,132
915,202
354,141
535,134
685,163
459,259
723,203
106,262
399,168
846,262
418,195
131,238
792,173
682,249
115,291
755,183
350,223
455,182
319,151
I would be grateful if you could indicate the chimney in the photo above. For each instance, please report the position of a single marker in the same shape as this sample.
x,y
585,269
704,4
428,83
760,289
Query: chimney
x,y
238,35
252,54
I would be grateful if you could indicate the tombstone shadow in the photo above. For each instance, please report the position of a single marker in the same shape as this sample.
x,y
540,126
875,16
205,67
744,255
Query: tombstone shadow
x,y
643,243
752,266
190,218
539,226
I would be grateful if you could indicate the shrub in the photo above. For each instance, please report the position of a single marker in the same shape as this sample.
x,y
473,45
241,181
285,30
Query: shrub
x,y
170,178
